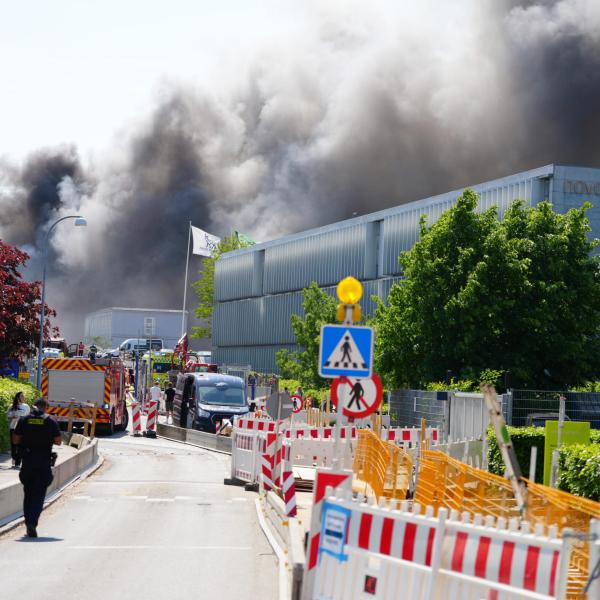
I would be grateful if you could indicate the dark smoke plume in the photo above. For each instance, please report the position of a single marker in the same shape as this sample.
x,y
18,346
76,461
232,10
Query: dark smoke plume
x,y
372,106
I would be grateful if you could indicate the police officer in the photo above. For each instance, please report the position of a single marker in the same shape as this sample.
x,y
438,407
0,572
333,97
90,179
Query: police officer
x,y
35,434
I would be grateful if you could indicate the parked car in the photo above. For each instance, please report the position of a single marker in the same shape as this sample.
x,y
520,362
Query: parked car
x,y
204,399
539,419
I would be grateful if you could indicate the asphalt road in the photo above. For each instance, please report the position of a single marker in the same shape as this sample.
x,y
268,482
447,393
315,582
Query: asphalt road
x,y
154,522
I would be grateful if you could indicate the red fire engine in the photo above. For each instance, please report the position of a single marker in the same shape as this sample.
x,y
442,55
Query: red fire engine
x,y
101,382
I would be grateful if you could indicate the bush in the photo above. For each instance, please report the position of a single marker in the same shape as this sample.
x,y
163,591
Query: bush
x,y
523,439
8,388
579,470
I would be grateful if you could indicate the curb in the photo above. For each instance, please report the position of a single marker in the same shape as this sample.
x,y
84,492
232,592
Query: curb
x,y
164,437
12,522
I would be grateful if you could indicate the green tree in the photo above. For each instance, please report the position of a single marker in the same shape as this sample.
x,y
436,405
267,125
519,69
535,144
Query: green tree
x,y
319,309
521,294
205,286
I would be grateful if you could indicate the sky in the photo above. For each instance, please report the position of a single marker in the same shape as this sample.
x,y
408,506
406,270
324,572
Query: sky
x,y
79,71
268,118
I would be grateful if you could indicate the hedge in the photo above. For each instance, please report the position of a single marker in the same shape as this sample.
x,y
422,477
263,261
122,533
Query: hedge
x,y
579,465
523,439
8,388
579,470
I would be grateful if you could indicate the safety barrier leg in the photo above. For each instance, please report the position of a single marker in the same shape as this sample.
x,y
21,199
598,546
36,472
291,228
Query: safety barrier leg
x,y
151,419
136,417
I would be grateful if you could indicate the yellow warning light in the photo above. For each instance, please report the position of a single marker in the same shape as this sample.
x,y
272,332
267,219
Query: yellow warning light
x,y
349,290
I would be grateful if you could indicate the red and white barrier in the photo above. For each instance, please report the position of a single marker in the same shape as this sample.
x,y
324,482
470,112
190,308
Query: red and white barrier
x,y
410,436
136,418
325,479
433,557
152,416
255,424
268,463
288,488
319,432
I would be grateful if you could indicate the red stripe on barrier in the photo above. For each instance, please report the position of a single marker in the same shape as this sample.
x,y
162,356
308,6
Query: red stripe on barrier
x,y
483,550
458,553
406,436
508,549
429,551
327,432
314,551
531,567
408,548
387,531
553,570
314,433
364,531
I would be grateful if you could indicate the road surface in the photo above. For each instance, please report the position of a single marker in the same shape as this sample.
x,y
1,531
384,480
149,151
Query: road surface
x,y
154,522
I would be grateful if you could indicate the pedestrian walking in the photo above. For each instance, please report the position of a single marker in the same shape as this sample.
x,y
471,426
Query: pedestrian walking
x,y
156,393
169,398
35,434
17,410
299,392
80,349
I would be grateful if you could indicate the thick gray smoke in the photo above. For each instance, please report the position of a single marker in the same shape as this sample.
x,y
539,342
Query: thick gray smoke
x,y
368,107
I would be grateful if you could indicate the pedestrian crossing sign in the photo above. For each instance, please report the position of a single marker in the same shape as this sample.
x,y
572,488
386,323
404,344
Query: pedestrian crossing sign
x,y
346,351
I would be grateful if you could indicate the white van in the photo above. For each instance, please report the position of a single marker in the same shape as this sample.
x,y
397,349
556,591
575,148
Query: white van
x,y
141,345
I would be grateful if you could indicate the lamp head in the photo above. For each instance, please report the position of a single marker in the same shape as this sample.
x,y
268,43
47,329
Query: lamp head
x,y
80,222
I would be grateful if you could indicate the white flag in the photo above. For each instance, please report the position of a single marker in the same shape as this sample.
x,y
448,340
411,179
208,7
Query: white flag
x,y
203,243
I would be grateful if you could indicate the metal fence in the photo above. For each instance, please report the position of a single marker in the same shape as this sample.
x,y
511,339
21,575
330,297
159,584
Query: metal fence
x,y
408,407
534,407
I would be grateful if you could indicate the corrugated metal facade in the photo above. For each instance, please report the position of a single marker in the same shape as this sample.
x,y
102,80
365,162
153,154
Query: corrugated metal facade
x,y
258,288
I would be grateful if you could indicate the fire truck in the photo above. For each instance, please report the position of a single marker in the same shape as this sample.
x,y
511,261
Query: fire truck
x,y
101,382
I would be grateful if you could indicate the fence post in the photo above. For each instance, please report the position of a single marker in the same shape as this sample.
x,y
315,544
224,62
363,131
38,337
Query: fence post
x,y
593,585
509,406
436,554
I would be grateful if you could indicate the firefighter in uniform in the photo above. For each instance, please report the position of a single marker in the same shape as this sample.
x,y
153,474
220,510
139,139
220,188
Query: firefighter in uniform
x,y
35,434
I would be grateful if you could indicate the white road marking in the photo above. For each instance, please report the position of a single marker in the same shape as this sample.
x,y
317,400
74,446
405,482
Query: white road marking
x,y
183,498
82,497
159,547
160,499
239,499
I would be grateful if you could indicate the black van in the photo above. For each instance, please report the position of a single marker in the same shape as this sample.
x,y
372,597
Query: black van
x,y
203,399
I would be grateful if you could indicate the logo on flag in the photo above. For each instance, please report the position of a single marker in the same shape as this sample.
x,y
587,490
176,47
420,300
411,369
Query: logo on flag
x,y
203,243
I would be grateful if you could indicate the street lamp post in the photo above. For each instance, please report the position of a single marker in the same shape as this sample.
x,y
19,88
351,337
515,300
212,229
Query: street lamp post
x,y
79,222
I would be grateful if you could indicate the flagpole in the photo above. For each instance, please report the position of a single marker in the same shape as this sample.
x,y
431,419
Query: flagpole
x,y
187,265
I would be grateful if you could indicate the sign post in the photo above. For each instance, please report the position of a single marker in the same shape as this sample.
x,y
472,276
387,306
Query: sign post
x,y
346,351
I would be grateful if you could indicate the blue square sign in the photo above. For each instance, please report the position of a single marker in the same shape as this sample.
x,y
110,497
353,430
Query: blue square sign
x,y
346,351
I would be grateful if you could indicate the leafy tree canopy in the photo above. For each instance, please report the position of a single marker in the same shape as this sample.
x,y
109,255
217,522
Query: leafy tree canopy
x,y
205,286
319,309
520,294
19,305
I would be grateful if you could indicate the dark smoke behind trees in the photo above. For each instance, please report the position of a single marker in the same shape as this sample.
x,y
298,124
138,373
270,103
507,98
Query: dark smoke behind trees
x,y
368,108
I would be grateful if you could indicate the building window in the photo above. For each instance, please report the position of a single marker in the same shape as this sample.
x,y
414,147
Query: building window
x,y
148,325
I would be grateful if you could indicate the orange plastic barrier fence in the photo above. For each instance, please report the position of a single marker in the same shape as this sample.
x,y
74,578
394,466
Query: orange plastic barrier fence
x,y
381,466
444,481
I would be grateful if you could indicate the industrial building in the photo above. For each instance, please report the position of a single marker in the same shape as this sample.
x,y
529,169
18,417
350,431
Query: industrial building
x,y
258,288
115,325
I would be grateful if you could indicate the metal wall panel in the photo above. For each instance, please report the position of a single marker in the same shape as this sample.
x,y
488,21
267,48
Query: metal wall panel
x,y
233,276
261,358
324,258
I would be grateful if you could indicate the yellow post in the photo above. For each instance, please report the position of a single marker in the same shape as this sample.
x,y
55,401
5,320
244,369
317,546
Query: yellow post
x,y
70,422
93,431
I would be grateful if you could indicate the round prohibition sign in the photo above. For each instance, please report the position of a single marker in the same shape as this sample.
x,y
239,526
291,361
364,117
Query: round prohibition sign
x,y
297,402
359,396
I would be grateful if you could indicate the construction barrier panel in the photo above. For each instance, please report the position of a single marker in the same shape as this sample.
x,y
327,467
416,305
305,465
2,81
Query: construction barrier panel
x,y
371,552
446,482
